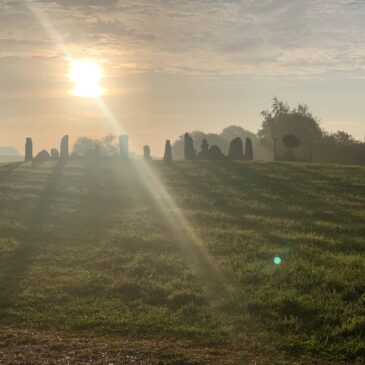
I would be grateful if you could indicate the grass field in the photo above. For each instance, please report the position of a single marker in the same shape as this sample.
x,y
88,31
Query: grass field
x,y
184,251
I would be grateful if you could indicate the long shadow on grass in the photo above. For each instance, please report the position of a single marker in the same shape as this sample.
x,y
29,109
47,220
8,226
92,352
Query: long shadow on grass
x,y
169,215
8,169
249,178
217,284
105,199
292,192
338,181
224,174
220,189
30,241
283,197
99,200
202,187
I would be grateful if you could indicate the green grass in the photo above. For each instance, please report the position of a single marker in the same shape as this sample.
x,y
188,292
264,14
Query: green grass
x,y
102,248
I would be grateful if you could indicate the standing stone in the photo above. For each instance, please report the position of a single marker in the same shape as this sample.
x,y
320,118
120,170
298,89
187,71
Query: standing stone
x,y
42,156
146,152
64,147
216,153
28,149
54,154
236,149
189,151
123,147
168,151
204,154
248,150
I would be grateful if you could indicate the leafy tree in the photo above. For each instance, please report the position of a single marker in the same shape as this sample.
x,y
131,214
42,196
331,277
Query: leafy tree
x,y
82,145
283,120
108,145
342,137
340,147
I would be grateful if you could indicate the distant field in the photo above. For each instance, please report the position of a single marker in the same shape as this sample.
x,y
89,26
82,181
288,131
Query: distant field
x,y
105,249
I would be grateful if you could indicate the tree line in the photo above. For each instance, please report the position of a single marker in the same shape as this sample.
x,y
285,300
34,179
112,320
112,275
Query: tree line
x,y
286,134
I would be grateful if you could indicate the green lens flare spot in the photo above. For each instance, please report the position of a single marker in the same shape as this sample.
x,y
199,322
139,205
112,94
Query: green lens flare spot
x,y
277,260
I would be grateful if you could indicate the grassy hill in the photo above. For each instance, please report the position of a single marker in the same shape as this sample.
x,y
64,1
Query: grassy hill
x,y
156,251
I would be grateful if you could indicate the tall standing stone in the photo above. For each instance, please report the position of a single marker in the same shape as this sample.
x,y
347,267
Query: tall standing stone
x,y
146,152
28,149
248,150
236,149
189,151
168,151
64,147
123,147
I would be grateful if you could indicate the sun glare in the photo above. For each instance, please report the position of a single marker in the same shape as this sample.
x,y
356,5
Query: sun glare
x,y
86,74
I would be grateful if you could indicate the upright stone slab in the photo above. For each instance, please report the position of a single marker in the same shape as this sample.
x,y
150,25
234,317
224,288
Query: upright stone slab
x,y
64,147
54,154
236,149
204,154
216,153
28,149
146,152
42,156
189,151
168,151
248,150
124,147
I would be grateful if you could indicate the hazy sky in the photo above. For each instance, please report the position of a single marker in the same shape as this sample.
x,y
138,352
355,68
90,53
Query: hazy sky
x,y
172,66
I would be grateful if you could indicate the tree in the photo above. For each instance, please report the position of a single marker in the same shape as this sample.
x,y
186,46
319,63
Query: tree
x,y
290,141
83,145
342,137
282,120
107,145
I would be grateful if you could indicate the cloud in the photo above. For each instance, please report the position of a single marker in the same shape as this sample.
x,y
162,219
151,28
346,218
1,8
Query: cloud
x,y
81,3
202,38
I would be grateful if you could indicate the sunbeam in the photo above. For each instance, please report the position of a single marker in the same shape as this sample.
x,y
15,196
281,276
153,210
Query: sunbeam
x,y
46,24
185,236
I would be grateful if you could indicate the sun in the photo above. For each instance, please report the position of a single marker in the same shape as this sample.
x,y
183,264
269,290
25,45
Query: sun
x,y
86,74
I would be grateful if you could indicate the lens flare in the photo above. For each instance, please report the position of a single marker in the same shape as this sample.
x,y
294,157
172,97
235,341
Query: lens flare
x,y
277,260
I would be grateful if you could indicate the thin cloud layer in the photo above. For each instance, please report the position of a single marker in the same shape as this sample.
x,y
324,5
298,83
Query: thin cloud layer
x,y
206,38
